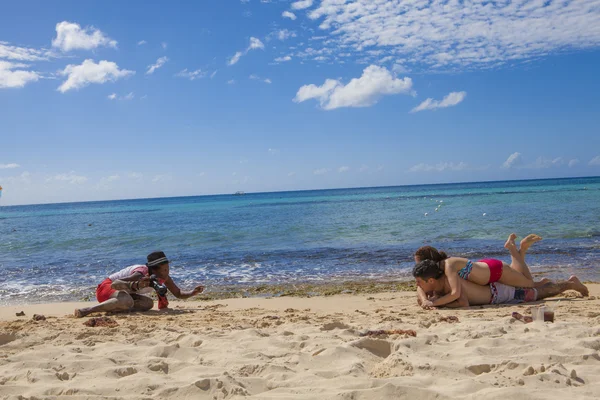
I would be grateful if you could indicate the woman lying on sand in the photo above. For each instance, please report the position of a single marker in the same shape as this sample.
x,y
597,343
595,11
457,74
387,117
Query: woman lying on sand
x,y
431,279
483,272
125,290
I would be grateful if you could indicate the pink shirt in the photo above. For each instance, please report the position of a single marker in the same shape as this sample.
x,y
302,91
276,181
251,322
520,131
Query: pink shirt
x,y
128,271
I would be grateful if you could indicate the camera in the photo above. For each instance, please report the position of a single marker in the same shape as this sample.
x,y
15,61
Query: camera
x,y
161,290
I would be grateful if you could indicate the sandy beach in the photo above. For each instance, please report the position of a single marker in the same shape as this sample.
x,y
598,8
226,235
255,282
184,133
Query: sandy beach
x,y
303,348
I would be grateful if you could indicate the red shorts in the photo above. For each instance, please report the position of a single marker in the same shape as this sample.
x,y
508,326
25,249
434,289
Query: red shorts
x,y
495,267
104,291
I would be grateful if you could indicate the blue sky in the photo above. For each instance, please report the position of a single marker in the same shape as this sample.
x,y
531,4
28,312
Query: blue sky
x,y
124,100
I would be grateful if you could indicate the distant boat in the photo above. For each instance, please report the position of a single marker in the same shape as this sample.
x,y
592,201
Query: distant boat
x,y
238,193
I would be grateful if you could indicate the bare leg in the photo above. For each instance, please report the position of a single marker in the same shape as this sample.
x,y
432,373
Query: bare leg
x,y
517,258
525,245
141,302
119,301
550,289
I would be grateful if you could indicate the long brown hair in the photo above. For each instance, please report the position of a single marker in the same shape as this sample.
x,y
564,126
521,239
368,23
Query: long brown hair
x,y
430,253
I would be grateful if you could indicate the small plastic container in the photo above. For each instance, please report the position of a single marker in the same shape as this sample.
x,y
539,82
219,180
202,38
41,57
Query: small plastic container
x,y
543,314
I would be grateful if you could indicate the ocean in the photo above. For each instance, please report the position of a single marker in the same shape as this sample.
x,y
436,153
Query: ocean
x,y
59,252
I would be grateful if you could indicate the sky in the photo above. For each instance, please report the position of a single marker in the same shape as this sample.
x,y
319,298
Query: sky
x,y
116,100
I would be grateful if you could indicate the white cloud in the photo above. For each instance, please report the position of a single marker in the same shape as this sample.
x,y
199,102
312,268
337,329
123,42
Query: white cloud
x,y
514,160
321,171
288,14
201,174
71,178
159,63
161,178
213,74
135,175
164,45
9,166
283,59
452,99
573,162
359,92
363,168
595,161
141,42
70,36
343,169
302,4
235,58
21,53
128,96
255,77
24,178
290,174
231,81
273,151
254,44
456,34
192,75
542,163
79,76
12,77
108,179
440,167
283,34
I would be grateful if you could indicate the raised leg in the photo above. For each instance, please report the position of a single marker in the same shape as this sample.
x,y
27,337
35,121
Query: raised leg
x,y
517,258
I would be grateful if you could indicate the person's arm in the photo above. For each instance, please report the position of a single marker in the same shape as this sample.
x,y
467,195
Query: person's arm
x,y
421,296
463,301
180,294
135,281
455,288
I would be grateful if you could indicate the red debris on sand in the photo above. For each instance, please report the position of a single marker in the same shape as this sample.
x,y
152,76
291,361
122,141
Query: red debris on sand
x,y
450,318
523,318
379,332
102,322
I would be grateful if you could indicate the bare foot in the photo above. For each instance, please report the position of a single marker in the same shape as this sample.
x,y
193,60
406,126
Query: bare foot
x,y
510,242
541,282
80,312
528,241
580,287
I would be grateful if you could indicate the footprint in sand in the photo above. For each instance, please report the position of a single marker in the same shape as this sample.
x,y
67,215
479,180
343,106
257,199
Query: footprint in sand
x,y
159,366
123,372
334,325
380,348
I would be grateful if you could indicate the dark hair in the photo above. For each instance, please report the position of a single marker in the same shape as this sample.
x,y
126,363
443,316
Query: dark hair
x,y
430,253
428,269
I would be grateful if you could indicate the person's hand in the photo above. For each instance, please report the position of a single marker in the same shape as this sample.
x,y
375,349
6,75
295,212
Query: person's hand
x,y
427,304
144,282
197,290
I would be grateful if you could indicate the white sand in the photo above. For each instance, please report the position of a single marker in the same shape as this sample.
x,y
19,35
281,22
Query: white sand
x,y
295,348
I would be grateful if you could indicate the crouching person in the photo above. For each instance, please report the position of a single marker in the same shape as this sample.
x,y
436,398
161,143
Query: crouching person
x,y
128,289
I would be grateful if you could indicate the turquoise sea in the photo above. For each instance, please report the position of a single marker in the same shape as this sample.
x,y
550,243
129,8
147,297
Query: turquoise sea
x,y
60,252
